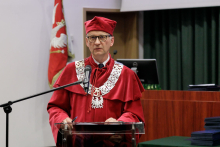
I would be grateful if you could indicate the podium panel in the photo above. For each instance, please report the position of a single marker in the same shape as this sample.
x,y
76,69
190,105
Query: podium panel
x,y
177,113
120,134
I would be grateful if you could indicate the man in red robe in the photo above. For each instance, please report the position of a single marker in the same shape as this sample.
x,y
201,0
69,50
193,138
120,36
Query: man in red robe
x,y
115,90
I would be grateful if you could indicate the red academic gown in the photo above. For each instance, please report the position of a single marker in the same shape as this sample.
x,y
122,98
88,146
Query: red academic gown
x,y
122,102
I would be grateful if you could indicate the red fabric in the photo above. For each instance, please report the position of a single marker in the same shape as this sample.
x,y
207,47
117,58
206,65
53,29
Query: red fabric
x,y
122,102
57,60
100,24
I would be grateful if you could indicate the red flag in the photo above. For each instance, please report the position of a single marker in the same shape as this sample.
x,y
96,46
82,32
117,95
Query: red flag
x,y
58,44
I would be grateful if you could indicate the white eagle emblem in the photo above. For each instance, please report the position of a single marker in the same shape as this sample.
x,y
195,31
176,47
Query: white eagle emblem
x,y
58,42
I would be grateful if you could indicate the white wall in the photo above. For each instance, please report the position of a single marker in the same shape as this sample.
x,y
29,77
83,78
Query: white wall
x,y
24,38
143,5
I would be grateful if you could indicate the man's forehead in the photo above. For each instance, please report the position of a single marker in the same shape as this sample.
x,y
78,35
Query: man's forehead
x,y
97,33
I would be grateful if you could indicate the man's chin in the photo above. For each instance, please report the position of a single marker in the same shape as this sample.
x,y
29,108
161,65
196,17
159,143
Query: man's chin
x,y
98,53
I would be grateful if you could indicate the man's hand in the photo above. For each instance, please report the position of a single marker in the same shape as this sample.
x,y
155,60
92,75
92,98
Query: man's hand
x,y
69,121
111,120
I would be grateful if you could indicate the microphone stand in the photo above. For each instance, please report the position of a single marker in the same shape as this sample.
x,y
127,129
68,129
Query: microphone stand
x,y
7,106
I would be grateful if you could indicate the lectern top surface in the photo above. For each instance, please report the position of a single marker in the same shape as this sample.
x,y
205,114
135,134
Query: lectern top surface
x,y
102,127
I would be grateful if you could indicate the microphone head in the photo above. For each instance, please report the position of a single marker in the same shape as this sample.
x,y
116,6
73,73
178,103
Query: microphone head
x,y
115,52
86,80
88,68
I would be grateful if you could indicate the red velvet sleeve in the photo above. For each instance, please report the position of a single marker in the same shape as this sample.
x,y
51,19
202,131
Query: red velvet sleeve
x,y
133,111
58,108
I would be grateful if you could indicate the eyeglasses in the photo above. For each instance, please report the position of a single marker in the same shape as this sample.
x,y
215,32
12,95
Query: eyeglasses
x,y
102,38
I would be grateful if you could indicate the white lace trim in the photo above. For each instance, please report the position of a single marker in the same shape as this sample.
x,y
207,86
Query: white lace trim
x,y
97,99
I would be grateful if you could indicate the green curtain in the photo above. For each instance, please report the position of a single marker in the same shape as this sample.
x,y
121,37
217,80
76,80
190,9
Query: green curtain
x,y
186,44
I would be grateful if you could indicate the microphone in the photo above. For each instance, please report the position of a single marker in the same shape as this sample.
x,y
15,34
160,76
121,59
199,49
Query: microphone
x,y
87,72
114,53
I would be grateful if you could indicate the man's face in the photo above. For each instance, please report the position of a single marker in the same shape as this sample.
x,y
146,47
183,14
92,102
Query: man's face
x,y
99,48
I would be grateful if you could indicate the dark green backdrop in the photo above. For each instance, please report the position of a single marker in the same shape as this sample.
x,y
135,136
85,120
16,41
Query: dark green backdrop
x,y
186,44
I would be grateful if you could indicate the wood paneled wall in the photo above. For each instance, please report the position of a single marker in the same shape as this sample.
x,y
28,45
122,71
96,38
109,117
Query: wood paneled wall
x,y
125,34
177,113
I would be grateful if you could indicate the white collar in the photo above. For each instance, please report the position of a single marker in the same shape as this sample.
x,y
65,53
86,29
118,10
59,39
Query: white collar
x,y
104,63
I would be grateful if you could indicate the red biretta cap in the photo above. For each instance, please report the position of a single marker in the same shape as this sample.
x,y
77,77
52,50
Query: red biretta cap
x,y
100,24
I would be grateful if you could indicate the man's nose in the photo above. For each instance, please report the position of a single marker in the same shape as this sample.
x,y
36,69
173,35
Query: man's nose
x,y
97,40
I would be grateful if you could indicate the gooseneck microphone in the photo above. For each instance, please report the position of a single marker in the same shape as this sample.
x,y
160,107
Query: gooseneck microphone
x,y
87,71
114,53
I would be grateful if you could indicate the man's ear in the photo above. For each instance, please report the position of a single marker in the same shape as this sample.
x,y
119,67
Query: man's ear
x,y
112,40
